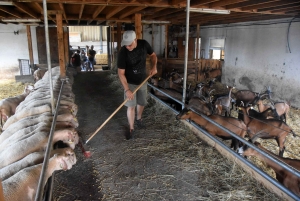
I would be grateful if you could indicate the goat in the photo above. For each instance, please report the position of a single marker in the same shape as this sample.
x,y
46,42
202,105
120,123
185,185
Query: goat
x,y
215,73
284,176
266,129
201,104
232,124
269,113
249,97
282,108
223,103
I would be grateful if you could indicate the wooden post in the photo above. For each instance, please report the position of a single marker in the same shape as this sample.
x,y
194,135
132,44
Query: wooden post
x,y
138,25
60,39
66,46
29,40
119,35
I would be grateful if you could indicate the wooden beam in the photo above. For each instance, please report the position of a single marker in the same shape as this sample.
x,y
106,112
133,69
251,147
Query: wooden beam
x,y
60,40
114,11
80,13
11,12
25,9
29,40
41,11
138,25
96,13
64,13
54,12
131,11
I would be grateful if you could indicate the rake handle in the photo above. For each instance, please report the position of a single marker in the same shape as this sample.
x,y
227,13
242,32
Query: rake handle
x,y
117,110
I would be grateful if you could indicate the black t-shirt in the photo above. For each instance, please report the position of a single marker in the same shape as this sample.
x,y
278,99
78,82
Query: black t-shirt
x,y
92,54
76,60
134,62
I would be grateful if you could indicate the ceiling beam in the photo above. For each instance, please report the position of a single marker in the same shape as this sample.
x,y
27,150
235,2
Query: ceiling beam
x,y
224,3
11,11
131,11
114,11
80,12
64,13
96,13
41,11
25,9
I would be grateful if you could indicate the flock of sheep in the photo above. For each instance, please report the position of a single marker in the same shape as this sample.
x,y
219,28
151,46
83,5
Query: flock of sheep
x,y
26,123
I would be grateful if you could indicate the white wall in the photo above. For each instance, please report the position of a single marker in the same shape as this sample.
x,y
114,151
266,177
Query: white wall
x,y
257,56
14,47
158,32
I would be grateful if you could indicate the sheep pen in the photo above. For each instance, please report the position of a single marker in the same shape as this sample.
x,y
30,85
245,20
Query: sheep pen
x,y
196,170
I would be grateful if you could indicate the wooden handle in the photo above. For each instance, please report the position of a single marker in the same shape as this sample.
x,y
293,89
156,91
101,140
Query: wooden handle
x,y
117,109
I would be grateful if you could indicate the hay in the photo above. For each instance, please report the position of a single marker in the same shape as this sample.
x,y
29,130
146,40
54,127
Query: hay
x,y
10,88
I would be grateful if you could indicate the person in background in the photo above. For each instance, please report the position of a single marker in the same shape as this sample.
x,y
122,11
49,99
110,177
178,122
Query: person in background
x,y
132,72
76,60
83,61
92,54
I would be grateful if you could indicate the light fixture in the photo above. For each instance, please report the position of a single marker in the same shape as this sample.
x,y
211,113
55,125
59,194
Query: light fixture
x,y
6,3
21,20
208,10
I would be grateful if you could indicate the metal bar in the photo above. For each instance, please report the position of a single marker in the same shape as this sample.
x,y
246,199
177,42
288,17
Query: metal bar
x,y
39,191
186,49
165,94
287,167
249,164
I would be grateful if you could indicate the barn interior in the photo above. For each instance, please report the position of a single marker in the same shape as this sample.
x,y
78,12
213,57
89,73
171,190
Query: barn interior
x,y
254,44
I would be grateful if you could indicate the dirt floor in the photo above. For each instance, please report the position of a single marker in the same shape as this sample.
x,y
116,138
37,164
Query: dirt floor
x,y
165,161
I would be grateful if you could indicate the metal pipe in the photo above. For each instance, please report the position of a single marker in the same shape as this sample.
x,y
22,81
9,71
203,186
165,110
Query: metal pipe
x,y
165,94
39,191
163,103
48,53
287,167
186,49
249,164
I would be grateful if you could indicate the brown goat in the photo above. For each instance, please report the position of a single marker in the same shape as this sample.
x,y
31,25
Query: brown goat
x,y
282,108
249,97
267,129
215,73
200,105
232,124
284,176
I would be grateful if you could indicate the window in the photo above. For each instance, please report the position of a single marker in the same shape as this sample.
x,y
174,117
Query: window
x,y
216,48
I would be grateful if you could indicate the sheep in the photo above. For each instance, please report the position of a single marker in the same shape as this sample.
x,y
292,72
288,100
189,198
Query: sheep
x,y
266,129
38,74
223,103
235,125
284,176
30,160
8,106
282,108
36,142
23,184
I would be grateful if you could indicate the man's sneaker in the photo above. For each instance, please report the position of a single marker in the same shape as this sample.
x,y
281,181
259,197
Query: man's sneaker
x,y
140,123
129,134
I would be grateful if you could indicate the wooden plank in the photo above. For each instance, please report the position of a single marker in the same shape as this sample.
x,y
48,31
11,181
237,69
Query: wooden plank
x,y
138,25
29,40
231,157
60,40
